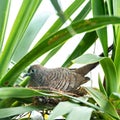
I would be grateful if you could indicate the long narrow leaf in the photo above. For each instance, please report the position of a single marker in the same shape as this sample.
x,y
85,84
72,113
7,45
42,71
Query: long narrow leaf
x,y
98,10
21,23
4,8
115,97
11,92
79,100
7,112
116,8
110,76
31,32
7,102
59,111
110,6
116,12
103,102
84,12
87,59
59,10
101,87
80,113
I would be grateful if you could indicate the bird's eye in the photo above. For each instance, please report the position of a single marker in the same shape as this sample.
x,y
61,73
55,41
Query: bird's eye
x,y
32,71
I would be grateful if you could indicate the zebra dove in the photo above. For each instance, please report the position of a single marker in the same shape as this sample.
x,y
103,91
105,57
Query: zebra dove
x,y
64,79
58,78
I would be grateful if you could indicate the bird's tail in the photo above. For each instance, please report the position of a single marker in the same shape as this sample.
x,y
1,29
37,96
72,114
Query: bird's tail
x,y
87,68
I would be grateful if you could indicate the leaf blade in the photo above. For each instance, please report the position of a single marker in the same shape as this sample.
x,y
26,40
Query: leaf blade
x,y
103,102
24,16
87,59
80,113
98,10
7,112
58,111
4,7
110,75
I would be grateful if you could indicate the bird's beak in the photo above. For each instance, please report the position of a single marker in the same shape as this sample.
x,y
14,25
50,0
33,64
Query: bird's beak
x,y
25,75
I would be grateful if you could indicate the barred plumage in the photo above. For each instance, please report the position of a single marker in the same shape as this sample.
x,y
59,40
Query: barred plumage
x,y
58,78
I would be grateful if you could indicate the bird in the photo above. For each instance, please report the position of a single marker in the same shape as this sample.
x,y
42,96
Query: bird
x,y
57,78
63,79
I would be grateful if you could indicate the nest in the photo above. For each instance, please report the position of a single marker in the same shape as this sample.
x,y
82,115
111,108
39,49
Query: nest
x,y
56,97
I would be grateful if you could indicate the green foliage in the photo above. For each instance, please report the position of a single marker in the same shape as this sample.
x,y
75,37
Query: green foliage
x,y
99,10
73,110
103,102
16,54
7,112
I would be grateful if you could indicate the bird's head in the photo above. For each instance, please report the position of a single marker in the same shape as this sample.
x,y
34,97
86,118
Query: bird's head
x,y
34,70
36,73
